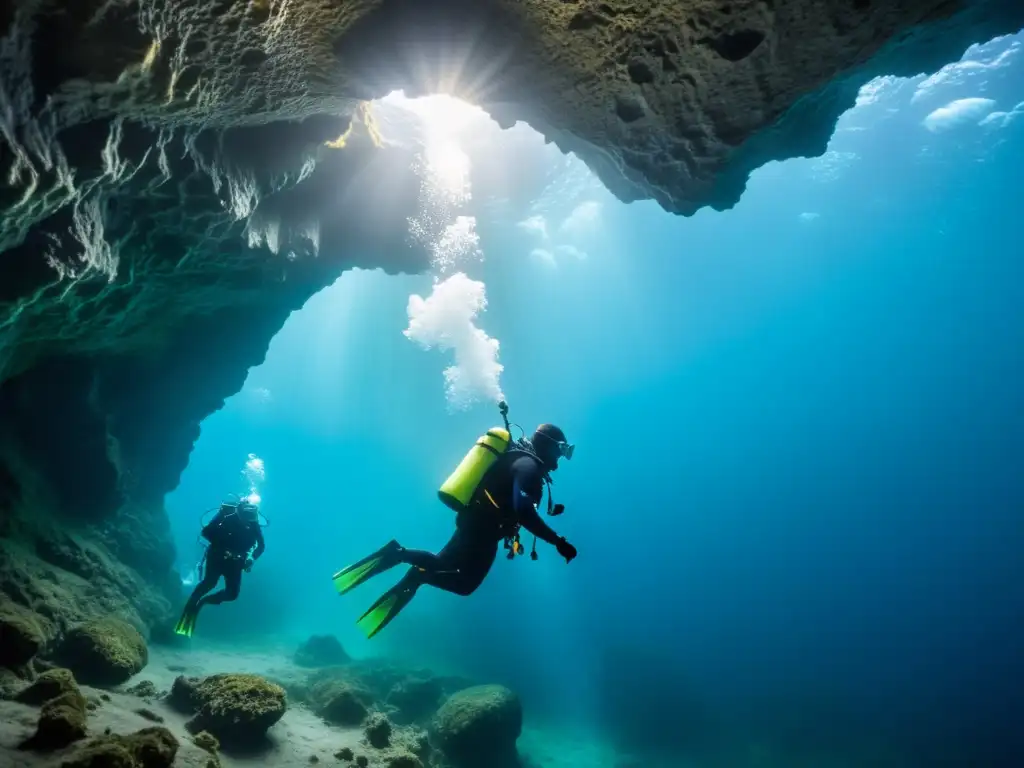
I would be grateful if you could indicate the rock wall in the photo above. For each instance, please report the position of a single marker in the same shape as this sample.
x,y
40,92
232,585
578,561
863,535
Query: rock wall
x,y
177,177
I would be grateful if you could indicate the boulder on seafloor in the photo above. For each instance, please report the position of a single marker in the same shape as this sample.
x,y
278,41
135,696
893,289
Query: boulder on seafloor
x,y
378,730
415,698
236,708
340,702
62,720
49,685
149,748
104,652
479,726
21,636
321,651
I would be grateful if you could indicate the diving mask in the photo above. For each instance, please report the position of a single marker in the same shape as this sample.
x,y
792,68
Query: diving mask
x,y
565,449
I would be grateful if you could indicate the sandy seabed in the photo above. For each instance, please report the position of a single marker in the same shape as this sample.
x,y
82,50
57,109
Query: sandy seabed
x,y
292,742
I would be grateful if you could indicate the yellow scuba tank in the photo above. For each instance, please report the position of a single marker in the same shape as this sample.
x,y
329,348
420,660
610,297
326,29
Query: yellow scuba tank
x,y
460,486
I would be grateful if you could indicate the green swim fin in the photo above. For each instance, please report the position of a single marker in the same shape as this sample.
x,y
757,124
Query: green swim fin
x,y
385,609
187,623
383,559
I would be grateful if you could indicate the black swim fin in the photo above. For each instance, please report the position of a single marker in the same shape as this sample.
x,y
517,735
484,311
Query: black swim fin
x,y
383,559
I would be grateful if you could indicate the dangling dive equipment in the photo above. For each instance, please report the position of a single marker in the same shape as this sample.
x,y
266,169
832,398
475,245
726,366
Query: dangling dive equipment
x,y
459,490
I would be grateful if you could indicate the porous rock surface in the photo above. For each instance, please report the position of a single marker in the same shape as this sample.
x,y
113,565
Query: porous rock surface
x,y
177,176
236,708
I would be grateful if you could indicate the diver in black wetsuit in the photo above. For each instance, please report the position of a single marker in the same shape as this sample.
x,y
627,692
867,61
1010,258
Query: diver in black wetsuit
x,y
506,500
236,542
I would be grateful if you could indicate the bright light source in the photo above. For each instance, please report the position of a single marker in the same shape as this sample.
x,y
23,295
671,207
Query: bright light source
x,y
449,167
442,115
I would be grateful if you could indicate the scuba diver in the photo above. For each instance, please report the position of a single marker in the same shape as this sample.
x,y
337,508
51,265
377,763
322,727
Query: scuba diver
x,y
495,491
235,543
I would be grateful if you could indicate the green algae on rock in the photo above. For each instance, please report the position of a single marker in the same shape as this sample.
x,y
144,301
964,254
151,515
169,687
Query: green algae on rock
x,y
49,685
62,720
233,707
479,723
149,748
21,636
104,652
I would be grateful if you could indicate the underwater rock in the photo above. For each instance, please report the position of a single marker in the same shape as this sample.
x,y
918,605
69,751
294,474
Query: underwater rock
x,y
21,636
49,685
149,748
378,731
184,695
404,760
236,708
206,741
479,724
57,599
340,702
321,651
62,720
415,698
104,652
345,753
10,684
145,689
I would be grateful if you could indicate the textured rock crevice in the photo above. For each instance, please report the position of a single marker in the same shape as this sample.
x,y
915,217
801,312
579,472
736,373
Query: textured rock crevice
x,y
171,189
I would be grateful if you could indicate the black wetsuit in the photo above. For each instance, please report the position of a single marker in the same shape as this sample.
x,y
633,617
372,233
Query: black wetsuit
x,y
231,540
464,562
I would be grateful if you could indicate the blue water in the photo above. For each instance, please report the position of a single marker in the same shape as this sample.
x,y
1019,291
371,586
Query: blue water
x,y
797,492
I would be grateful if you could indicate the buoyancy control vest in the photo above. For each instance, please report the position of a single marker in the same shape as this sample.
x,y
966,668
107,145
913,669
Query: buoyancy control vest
x,y
465,489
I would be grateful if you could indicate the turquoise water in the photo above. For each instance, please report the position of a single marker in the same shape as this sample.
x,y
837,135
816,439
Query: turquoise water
x,y
799,424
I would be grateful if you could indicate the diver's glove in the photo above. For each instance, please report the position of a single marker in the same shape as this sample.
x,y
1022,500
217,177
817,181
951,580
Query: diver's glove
x,y
248,564
566,550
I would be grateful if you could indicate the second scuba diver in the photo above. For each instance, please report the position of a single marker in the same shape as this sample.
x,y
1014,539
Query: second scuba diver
x,y
236,542
495,491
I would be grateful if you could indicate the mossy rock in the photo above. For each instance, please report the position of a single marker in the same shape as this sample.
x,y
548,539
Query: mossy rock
x,y
104,652
378,731
148,748
21,635
339,702
62,720
206,741
235,707
49,685
479,724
